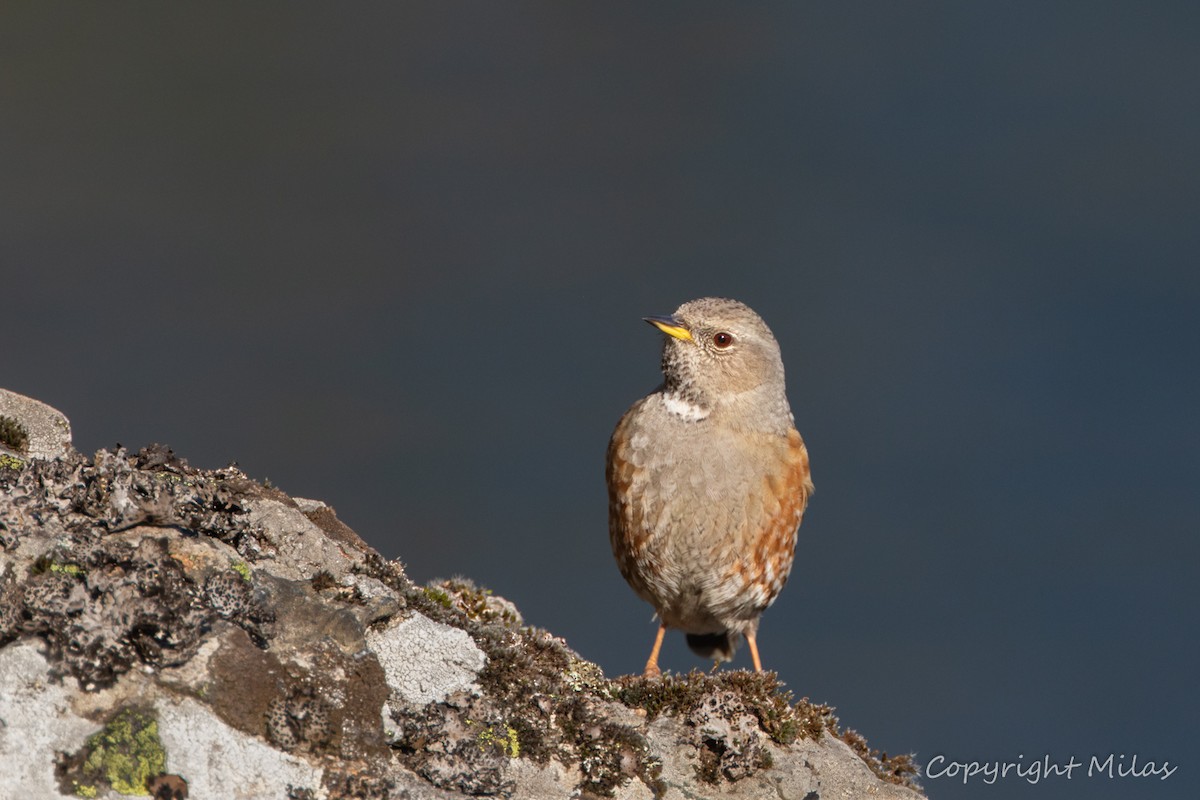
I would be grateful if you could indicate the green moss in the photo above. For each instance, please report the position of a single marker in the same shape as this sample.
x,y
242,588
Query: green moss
x,y
86,790
241,568
13,434
67,569
438,596
475,603
126,753
10,462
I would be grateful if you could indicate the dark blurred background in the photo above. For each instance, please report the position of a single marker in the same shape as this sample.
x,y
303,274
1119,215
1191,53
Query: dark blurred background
x,y
395,256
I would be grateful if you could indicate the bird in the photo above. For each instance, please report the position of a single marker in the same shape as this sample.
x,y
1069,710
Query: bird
x,y
708,480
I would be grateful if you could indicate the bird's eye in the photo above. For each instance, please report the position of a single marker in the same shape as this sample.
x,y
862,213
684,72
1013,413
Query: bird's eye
x,y
722,339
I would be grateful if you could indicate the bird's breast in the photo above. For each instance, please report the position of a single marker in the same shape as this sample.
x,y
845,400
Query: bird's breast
x,y
701,509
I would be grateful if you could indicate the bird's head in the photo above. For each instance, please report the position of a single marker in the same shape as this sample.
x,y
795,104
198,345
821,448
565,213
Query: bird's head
x,y
720,355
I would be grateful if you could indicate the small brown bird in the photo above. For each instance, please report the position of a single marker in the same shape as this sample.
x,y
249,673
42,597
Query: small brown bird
x,y
708,480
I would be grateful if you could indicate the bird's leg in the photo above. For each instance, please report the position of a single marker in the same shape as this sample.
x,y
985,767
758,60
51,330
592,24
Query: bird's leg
x,y
754,652
652,670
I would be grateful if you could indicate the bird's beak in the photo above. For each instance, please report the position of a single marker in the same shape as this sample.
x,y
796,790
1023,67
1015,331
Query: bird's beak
x,y
671,327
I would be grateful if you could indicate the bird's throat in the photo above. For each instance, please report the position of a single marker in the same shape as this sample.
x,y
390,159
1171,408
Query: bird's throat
x,y
683,407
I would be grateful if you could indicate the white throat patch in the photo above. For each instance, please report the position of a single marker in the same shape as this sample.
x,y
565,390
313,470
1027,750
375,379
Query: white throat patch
x,y
683,409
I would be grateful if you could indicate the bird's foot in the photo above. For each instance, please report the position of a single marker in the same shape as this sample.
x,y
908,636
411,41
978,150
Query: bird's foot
x,y
652,670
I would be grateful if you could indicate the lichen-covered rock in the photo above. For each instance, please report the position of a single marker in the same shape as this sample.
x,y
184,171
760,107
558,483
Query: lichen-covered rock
x,y
182,632
426,661
728,738
31,429
38,723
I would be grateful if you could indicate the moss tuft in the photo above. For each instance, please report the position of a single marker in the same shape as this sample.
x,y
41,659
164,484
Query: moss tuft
x,y
13,434
899,769
438,596
324,580
475,603
764,696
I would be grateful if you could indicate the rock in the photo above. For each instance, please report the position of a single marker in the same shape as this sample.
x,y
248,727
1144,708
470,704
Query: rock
x,y
425,661
31,429
183,632
37,724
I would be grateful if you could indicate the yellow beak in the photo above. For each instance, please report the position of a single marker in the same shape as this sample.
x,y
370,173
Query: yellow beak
x,y
671,327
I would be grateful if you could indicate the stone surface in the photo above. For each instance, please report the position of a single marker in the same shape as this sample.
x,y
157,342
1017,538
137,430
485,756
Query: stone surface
x,y
425,661
265,651
47,431
220,761
36,721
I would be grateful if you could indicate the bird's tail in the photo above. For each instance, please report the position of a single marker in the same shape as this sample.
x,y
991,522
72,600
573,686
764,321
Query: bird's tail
x,y
717,646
